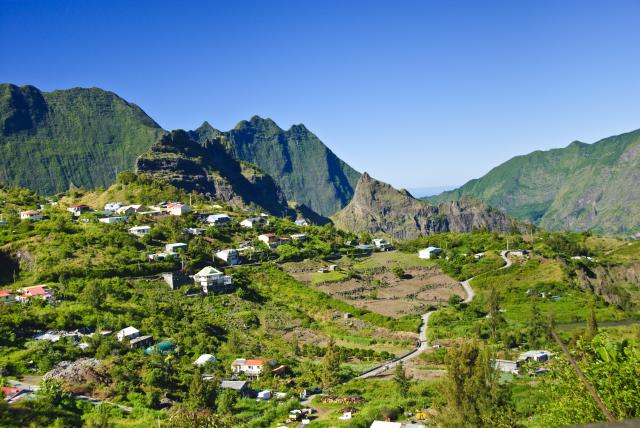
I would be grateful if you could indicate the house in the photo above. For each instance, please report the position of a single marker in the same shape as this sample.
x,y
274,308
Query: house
x,y
31,215
175,279
507,366
140,231
242,386
112,207
218,219
253,222
176,248
230,256
177,208
478,256
130,209
385,424
11,393
195,231
203,359
251,367
37,291
78,210
264,395
270,239
158,257
429,252
302,222
299,237
212,280
518,253
537,355
112,220
7,296
128,333
163,348
382,245
141,341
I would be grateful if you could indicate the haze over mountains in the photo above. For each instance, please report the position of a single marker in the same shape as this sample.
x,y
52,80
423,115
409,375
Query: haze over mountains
x,y
50,141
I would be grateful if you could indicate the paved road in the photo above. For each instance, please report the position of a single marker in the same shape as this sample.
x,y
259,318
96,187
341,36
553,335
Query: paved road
x,y
424,344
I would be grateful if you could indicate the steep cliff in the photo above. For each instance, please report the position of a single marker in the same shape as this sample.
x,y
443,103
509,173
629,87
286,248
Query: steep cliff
x,y
377,207
208,169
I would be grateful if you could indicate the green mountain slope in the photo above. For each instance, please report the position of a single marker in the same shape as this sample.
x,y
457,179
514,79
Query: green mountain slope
x,y
306,170
580,187
51,140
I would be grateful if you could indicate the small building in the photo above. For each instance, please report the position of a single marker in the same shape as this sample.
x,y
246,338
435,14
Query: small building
x,y
112,207
42,292
11,393
518,253
230,256
141,342
127,333
211,279
270,239
264,395
253,222
382,245
31,215
112,220
203,359
429,252
163,348
175,248
364,248
299,237
218,219
242,386
251,367
537,356
302,222
78,210
140,231
159,257
195,231
7,296
175,280
130,209
177,208
385,424
507,366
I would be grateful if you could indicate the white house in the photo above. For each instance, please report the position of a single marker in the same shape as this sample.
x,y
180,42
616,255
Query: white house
x,y
302,222
385,424
429,252
112,207
178,247
507,366
204,359
251,367
211,279
128,333
518,253
159,256
177,208
270,239
537,355
299,237
382,244
264,395
77,210
140,231
230,256
253,222
112,220
31,215
218,219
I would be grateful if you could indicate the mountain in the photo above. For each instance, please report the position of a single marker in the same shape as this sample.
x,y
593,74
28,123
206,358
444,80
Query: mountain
x,y
377,207
83,137
208,169
306,170
580,187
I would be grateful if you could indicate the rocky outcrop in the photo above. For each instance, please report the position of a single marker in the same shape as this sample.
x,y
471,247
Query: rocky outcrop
x,y
208,169
377,207
614,283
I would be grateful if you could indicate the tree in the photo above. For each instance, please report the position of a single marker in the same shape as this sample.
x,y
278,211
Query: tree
x,y
592,323
472,392
495,316
454,300
537,328
402,381
398,271
331,366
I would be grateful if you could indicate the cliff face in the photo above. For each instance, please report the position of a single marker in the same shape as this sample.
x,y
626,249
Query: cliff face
x,y
377,207
208,169
617,284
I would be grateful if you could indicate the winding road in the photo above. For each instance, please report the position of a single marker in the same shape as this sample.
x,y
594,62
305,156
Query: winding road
x,y
424,344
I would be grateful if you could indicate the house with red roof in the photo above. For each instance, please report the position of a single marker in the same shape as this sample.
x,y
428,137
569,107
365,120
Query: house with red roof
x,y
35,292
7,296
251,367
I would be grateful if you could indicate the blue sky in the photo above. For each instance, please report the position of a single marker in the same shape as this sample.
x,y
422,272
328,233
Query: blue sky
x,y
419,94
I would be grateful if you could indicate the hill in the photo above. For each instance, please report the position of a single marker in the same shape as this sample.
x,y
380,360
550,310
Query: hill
x,y
580,187
82,137
209,170
306,170
377,207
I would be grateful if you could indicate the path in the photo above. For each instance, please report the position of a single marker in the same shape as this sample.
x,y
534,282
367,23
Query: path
x,y
424,344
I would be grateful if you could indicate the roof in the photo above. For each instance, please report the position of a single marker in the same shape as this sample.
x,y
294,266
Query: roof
x,y
431,249
532,354
177,244
203,359
36,290
217,216
383,424
238,385
140,227
269,235
140,339
6,293
129,330
208,271
256,361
